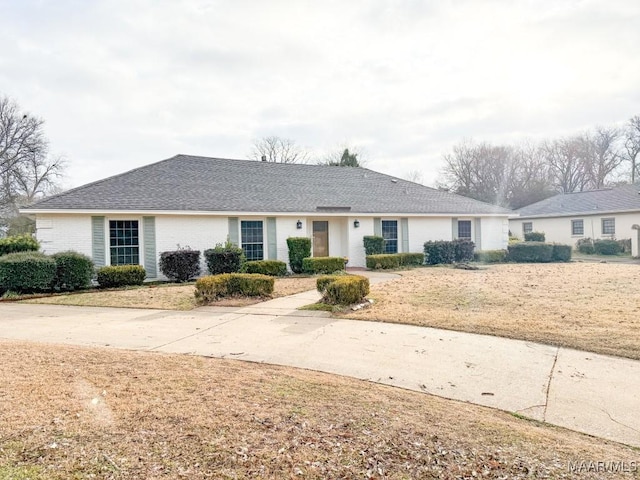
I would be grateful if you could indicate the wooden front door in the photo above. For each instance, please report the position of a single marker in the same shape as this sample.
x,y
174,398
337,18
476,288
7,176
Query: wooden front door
x,y
321,239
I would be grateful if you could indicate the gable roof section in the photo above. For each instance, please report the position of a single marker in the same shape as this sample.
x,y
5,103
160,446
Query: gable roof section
x,y
190,183
625,198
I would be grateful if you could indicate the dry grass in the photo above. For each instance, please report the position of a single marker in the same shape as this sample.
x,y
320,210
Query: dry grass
x,y
167,297
587,306
71,412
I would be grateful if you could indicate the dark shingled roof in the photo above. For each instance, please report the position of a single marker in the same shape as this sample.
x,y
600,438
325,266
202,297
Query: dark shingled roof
x,y
189,183
619,199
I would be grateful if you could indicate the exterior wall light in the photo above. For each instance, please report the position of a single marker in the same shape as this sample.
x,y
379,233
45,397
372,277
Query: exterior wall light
x,y
299,225
356,223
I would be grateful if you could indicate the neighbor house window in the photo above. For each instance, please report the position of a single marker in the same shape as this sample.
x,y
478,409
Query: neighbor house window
x,y
252,239
608,226
124,242
390,235
527,227
464,229
577,227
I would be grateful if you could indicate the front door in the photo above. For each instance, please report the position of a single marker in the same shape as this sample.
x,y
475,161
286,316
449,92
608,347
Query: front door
x,y
321,239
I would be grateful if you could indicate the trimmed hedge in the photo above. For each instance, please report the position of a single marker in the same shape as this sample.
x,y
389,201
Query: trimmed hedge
x,y
530,252
490,256
561,253
227,258
534,237
299,249
213,287
394,260
18,243
373,245
314,265
607,247
447,251
273,268
25,272
73,270
114,276
585,245
343,289
180,265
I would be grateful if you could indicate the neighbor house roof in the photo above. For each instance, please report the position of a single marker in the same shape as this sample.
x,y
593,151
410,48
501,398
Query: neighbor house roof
x,y
190,183
625,198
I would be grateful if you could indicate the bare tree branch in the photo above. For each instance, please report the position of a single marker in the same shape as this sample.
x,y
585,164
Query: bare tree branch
x,y
278,149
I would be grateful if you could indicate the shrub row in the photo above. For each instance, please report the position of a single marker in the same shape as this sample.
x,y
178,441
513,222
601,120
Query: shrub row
x,y
299,249
273,268
315,265
534,237
490,256
114,276
30,271
343,289
394,260
538,252
607,247
18,243
213,287
373,245
448,251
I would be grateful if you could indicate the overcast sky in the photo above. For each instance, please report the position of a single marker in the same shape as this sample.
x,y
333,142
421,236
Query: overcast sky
x,y
125,83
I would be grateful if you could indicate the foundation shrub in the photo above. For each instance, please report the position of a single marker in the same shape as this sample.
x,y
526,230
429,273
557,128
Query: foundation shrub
x,y
273,268
383,261
315,265
585,245
607,247
373,244
299,249
121,276
534,237
463,251
18,243
561,253
26,272
530,252
180,265
490,256
73,270
224,258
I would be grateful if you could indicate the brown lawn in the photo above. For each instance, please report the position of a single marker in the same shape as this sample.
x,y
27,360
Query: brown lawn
x,y
71,412
587,306
168,297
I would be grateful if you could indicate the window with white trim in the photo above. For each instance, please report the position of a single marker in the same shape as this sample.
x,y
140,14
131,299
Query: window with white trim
x,y
527,227
464,229
124,242
577,227
608,226
252,239
390,235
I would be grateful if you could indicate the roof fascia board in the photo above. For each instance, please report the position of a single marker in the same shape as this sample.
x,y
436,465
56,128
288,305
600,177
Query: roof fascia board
x,y
580,214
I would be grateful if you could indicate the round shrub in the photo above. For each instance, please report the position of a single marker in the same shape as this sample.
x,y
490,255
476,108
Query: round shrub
x,y
299,249
26,272
180,265
121,275
227,258
18,243
73,270
346,290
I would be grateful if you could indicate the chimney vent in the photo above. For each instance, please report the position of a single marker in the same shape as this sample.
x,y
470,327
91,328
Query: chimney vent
x,y
264,158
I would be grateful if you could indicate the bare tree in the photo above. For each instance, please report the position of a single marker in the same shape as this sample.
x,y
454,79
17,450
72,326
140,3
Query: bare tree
x,y
27,172
602,155
632,145
414,176
566,161
278,149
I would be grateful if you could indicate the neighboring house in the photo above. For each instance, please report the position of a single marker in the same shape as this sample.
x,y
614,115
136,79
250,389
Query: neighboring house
x,y
596,214
199,202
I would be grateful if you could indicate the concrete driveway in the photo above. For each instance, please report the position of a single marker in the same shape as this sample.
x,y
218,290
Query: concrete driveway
x,y
591,393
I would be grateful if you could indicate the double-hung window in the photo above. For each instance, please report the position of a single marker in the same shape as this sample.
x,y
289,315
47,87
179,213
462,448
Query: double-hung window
x,y
124,242
464,229
577,227
608,226
390,235
252,239
527,227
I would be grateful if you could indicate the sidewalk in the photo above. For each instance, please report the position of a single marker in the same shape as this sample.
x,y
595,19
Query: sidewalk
x,y
591,393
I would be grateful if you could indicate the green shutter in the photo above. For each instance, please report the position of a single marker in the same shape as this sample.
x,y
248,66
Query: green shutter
x,y
404,231
377,226
149,235
97,241
233,231
454,228
272,238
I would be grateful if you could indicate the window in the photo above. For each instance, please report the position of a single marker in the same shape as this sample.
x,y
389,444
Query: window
x,y
252,239
124,242
608,226
390,235
527,227
464,229
577,227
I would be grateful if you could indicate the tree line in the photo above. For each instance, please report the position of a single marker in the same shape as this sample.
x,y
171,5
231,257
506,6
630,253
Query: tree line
x,y
514,176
